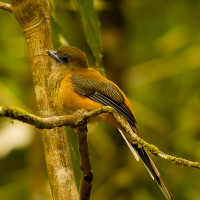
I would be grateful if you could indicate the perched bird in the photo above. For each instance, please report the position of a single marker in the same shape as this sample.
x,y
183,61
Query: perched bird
x,y
75,86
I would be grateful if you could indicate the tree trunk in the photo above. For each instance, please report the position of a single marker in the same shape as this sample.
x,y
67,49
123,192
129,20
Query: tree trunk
x,y
33,17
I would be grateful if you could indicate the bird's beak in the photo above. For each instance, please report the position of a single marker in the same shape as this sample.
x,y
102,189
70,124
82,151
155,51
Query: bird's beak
x,y
54,55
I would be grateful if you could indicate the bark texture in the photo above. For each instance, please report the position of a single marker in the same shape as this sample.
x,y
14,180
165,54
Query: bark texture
x,y
34,18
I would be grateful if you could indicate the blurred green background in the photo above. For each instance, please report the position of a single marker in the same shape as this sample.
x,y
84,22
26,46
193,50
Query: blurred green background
x,y
152,51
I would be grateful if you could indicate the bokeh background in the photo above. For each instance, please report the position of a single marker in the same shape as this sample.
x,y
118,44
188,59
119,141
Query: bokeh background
x,y
152,51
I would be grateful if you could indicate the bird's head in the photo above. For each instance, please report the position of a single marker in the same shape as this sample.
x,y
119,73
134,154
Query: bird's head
x,y
72,57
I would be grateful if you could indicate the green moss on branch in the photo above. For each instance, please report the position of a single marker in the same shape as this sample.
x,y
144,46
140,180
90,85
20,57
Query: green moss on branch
x,y
79,118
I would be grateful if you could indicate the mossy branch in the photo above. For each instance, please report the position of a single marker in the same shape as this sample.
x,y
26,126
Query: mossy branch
x,y
6,6
80,118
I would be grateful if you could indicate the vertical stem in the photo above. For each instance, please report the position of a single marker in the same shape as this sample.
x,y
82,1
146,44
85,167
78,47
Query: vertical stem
x,y
86,171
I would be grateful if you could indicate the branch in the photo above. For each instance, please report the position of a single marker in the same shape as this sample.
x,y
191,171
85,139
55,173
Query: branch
x,y
6,6
86,171
79,118
39,122
153,149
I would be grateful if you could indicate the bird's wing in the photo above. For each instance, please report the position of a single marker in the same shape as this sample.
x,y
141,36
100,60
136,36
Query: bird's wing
x,y
104,93
108,94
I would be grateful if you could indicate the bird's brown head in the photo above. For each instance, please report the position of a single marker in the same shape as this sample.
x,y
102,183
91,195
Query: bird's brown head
x,y
72,57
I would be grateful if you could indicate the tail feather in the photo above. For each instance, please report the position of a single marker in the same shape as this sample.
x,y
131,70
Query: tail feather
x,y
150,166
153,171
134,152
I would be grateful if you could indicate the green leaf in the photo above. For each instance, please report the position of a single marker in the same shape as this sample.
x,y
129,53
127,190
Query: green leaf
x,y
91,26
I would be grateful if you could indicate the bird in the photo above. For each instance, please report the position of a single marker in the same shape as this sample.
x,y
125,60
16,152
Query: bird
x,y
77,86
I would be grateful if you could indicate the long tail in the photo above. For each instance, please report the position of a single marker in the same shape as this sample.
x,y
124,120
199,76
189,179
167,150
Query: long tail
x,y
150,166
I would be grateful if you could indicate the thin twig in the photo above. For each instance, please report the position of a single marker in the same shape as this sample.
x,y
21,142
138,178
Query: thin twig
x,y
6,6
86,170
151,148
79,118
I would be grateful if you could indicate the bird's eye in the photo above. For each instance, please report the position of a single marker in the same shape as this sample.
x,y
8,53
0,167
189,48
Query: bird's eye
x,y
65,58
